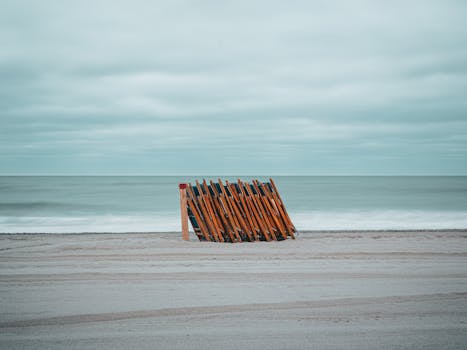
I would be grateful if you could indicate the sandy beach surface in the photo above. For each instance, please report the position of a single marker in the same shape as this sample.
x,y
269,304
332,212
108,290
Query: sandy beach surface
x,y
325,290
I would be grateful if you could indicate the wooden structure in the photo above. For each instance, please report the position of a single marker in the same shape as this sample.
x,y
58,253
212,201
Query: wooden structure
x,y
234,212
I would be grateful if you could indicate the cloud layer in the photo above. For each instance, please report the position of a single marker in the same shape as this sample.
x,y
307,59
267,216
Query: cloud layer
x,y
204,87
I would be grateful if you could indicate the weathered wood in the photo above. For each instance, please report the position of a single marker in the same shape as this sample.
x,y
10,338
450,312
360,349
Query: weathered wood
x,y
263,211
278,208
223,213
236,212
203,223
199,220
211,214
183,210
242,223
257,212
204,211
246,211
271,211
282,204
213,210
227,200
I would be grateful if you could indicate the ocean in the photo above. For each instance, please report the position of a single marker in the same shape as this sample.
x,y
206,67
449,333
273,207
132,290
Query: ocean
x,y
77,204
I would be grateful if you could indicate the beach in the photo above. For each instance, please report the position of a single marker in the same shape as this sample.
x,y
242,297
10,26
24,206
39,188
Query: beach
x,y
324,290
315,153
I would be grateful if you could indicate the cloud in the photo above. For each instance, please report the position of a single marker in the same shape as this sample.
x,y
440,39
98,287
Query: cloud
x,y
267,87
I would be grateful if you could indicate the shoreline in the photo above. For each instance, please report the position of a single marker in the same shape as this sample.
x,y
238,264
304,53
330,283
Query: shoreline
x,y
192,233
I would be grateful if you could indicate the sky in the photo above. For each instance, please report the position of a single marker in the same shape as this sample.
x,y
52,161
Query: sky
x,y
233,87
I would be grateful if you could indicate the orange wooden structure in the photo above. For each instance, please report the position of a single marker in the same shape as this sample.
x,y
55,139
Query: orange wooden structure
x,y
235,212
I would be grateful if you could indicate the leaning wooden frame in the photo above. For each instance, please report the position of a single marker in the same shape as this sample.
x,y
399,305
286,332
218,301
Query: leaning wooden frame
x,y
235,212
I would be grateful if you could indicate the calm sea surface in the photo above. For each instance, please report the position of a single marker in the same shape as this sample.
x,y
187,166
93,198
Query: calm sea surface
x,y
150,203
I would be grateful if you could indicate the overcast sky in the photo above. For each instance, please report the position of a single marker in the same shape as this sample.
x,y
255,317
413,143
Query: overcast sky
x,y
218,87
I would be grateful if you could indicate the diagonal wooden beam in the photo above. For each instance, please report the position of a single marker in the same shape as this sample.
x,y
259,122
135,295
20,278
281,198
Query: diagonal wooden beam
x,y
199,208
257,212
210,212
281,202
264,214
270,210
246,210
237,212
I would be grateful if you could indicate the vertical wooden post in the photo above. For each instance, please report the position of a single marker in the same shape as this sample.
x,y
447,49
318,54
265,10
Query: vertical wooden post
x,y
183,211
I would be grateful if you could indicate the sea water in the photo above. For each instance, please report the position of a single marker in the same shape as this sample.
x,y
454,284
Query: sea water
x,y
72,204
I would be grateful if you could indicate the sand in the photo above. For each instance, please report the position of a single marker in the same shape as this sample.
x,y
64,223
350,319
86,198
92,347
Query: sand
x,y
325,290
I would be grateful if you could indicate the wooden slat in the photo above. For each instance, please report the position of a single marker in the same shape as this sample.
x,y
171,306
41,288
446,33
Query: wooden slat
x,y
246,210
210,212
237,212
278,208
215,213
205,213
229,215
206,223
223,213
183,211
282,204
257,212
228,202
252,211
278,224
199,220
229,234
265,217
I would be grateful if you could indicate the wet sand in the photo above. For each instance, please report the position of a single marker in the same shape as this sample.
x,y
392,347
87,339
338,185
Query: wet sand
x,y
325,290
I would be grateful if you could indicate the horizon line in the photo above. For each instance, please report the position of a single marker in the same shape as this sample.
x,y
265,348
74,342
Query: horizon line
x,y
228,175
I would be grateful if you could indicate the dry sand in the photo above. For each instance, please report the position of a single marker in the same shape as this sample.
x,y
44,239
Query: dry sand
x,y
325,290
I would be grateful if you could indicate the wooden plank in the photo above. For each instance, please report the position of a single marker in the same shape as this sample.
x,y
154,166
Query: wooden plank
x,y
206,228
215,214
282,204
257,213
255,216
183,211
223,213
278,208
237,212
226,200
218,212
198,218
264,215
271,211
246,210
210,212
251,208
205,214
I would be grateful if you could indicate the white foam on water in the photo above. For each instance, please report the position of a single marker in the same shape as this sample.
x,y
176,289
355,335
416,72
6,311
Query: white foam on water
x,y
380,220
304,221
107,224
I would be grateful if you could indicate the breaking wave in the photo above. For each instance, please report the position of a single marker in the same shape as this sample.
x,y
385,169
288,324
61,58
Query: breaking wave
x,y
304,221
